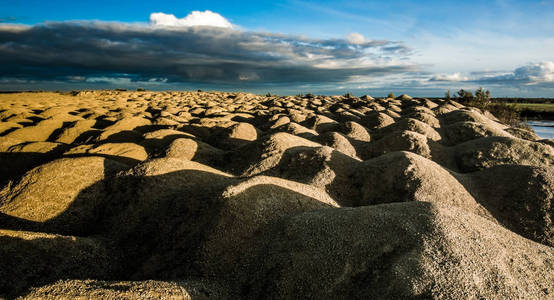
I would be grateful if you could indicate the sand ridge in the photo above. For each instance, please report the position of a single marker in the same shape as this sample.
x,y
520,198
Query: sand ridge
x,y
198,195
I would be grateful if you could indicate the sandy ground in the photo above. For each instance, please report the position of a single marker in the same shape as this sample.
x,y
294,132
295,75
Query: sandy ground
x,y
198,195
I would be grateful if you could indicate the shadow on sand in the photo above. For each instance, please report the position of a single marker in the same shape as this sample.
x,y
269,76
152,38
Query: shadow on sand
x,y
138,227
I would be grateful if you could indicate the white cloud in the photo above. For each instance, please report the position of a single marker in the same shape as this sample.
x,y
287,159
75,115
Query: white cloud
x,y
195,18
449,77
356,38
531,74
536,73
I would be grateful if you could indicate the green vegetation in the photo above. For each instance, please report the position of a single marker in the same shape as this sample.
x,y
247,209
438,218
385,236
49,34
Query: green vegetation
x,y
535,110
390,95
481,100
506,113
536,107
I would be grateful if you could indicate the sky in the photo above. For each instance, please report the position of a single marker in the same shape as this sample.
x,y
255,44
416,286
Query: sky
x,y
422,48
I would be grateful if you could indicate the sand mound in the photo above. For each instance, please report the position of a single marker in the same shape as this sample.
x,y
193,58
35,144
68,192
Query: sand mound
x,y
168,204
165,165
464,131
35,147
409,125
321,167
549,142
279,120
492,151
7,127
405,176
243,131
396,251
20,158
392,113
444,109
523,134
519,197
394,107
418,109
321,124
55,202
71,133
39,258
247,207
123,130
219,220
190,149
349,115
428,103
376,120
398,141
296,129
129,290
265,153
36,133
425,116
158,139
127,153
338,142
355,131
237,135
469,115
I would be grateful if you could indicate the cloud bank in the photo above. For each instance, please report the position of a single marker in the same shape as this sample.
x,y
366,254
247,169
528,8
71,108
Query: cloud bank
x,y
202,47
539,74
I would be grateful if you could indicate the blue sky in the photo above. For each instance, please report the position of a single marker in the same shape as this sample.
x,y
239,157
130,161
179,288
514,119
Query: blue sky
x,y
419,47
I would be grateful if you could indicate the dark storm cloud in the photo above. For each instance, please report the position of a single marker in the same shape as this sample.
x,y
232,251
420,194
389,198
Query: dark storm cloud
x,y
68,50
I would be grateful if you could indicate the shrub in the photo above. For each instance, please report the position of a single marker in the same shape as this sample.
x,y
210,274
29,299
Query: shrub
x,y
482,98
390,95
464,97
507,114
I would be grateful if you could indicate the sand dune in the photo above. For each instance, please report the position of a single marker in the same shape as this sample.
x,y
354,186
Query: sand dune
x,y
195,195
